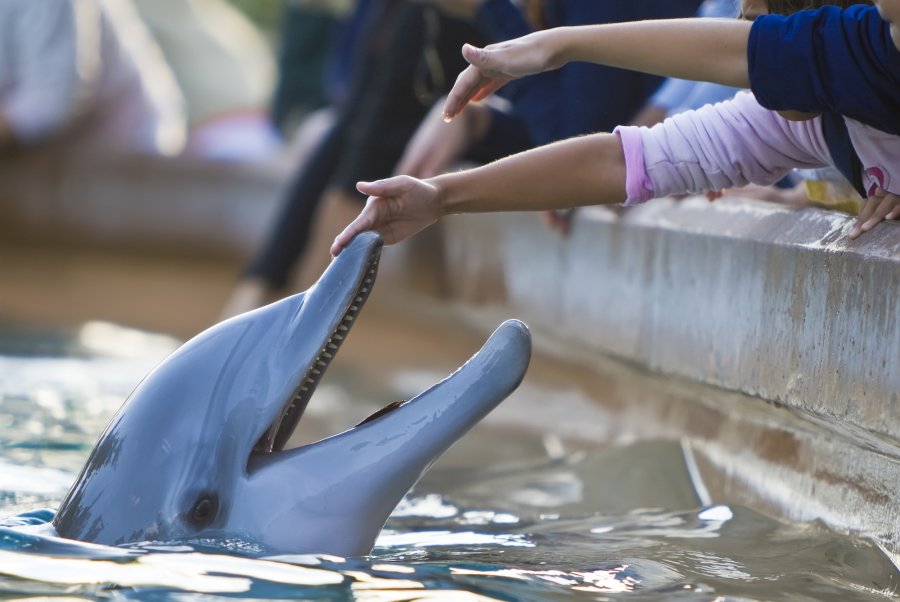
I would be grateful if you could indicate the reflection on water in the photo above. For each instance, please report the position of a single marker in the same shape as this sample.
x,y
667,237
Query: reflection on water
x,y
611,524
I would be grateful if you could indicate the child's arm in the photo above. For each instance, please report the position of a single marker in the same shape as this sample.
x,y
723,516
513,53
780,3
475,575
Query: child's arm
x,y
712,50
580,171
732,143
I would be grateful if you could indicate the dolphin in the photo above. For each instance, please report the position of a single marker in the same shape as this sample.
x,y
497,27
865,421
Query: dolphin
x,y
197,451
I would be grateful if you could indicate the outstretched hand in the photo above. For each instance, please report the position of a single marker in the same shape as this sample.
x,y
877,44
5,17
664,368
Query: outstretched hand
x,y
397,208
491,67
880,206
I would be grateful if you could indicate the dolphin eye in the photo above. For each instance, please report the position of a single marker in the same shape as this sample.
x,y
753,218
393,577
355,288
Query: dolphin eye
x,y
204,510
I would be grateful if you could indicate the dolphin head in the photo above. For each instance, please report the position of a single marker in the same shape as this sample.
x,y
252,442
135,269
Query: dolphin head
x,y
197,450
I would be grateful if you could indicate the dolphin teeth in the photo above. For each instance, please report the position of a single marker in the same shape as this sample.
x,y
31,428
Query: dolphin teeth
x,y
276,437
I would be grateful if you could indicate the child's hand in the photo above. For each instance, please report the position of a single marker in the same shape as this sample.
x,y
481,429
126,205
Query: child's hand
x,y
493,66
397,208
880,206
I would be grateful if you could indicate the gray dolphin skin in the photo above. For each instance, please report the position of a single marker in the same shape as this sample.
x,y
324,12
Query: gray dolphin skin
x,y
197,450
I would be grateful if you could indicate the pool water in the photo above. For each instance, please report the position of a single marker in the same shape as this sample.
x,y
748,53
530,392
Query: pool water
x,y
504,516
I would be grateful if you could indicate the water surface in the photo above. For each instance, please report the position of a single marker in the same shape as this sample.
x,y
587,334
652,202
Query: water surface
x,y
503,517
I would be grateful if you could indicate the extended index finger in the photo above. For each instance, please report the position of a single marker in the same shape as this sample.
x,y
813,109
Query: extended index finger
x,y
363,222
884,207
468,83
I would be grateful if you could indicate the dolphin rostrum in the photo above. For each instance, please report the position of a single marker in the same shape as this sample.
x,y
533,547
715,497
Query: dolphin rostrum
x,y
197,450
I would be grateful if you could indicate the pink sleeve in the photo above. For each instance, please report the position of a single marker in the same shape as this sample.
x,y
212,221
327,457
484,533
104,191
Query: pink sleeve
x,y
729,144
637,185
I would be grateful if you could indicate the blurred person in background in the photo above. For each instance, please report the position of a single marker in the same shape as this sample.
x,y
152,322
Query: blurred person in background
x,y
392,59
385,108
316,47
226,72
308,30
84,73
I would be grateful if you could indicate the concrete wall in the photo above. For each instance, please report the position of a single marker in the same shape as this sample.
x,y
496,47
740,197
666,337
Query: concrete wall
x,y
770,301
212,208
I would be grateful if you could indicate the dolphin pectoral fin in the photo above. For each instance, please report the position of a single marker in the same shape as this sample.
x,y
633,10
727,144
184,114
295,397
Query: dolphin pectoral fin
x,y
385,410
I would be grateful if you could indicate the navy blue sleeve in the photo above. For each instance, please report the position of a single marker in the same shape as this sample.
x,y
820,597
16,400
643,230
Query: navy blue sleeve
x,y
828,60
500,20
581,98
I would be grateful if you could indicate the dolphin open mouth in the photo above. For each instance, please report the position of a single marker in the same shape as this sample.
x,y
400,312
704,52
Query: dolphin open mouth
x,y
277,435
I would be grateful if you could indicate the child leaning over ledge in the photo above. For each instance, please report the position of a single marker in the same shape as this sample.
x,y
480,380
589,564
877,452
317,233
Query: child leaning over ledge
x,y
842,109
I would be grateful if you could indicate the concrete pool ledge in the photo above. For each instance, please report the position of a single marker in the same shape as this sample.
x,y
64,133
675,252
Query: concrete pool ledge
x,y
769,301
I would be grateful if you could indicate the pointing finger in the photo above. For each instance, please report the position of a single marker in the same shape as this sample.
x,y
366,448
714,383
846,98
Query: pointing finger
x,y
362,223
467,84
387,187
882,209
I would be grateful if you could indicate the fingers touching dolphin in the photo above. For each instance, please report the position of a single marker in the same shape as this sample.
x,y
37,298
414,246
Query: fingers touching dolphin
x,y
197,450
